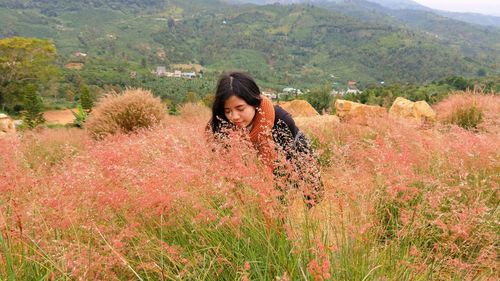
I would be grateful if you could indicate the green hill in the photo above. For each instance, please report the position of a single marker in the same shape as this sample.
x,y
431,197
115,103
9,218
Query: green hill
x,y
279,44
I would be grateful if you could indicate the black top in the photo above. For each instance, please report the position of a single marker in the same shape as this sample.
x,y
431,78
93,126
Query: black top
x,y
287,135
283,119
297,149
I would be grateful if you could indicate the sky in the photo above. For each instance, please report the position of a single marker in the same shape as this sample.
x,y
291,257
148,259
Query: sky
x,y
488,7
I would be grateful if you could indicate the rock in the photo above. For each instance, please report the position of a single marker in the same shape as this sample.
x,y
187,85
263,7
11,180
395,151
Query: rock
x,y
6,124
420,110
299,108
347,110
423,112
402,107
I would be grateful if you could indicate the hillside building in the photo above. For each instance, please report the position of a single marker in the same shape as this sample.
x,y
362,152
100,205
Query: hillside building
x,y
161,71
352,88
270,93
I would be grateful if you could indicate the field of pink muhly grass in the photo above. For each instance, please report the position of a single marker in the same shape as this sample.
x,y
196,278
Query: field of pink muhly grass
x,y
402,202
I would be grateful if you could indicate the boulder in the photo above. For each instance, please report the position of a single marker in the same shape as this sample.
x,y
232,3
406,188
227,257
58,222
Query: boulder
x,y
299,108
6,124
420,110
347,110
423,112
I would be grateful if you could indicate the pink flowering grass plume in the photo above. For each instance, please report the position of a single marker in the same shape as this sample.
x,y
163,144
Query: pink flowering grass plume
x,y
400,202
48,148
474,109
319,266
394,178
167,178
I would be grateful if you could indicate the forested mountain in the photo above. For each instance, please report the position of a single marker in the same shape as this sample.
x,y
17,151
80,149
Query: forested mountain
x,y
279,44
48,5
474,18
471,39
400,4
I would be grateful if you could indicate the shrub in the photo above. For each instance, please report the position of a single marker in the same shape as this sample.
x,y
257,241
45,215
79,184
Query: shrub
x,y
80,116
472,110
125,113
467,117
208,100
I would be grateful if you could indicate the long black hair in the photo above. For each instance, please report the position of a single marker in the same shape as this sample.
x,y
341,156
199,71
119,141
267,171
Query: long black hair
x,y
233,84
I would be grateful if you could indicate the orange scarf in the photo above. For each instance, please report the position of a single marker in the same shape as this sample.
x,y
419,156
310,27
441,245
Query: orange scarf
x,y
261,132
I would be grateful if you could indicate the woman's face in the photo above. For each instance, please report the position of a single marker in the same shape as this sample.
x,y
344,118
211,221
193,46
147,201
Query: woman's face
x,y
239,112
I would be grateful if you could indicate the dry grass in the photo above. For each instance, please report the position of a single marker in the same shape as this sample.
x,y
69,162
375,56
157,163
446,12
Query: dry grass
x,y
124,113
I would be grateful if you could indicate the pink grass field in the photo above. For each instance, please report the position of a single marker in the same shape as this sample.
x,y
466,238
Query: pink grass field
x,y
402,202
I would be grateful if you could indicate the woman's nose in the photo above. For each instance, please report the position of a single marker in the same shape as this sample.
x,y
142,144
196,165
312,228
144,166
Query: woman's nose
x,y
234,116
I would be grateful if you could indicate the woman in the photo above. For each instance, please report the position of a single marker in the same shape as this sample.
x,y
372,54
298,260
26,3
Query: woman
x,y
239,105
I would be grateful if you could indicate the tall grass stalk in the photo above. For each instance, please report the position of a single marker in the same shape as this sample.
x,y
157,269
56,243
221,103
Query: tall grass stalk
x,y
401,202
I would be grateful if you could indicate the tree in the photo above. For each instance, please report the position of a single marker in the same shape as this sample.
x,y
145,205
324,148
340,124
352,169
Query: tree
x,y
171,24
33,105
86,100
320,98
24,62
459,83
481,72
372,99
70,94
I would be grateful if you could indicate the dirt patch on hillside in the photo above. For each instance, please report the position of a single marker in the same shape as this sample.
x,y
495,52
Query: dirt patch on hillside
x,y
62,117
74,65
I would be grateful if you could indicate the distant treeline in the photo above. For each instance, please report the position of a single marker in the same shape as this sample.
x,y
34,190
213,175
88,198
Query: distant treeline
x,y
51,7
384,95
